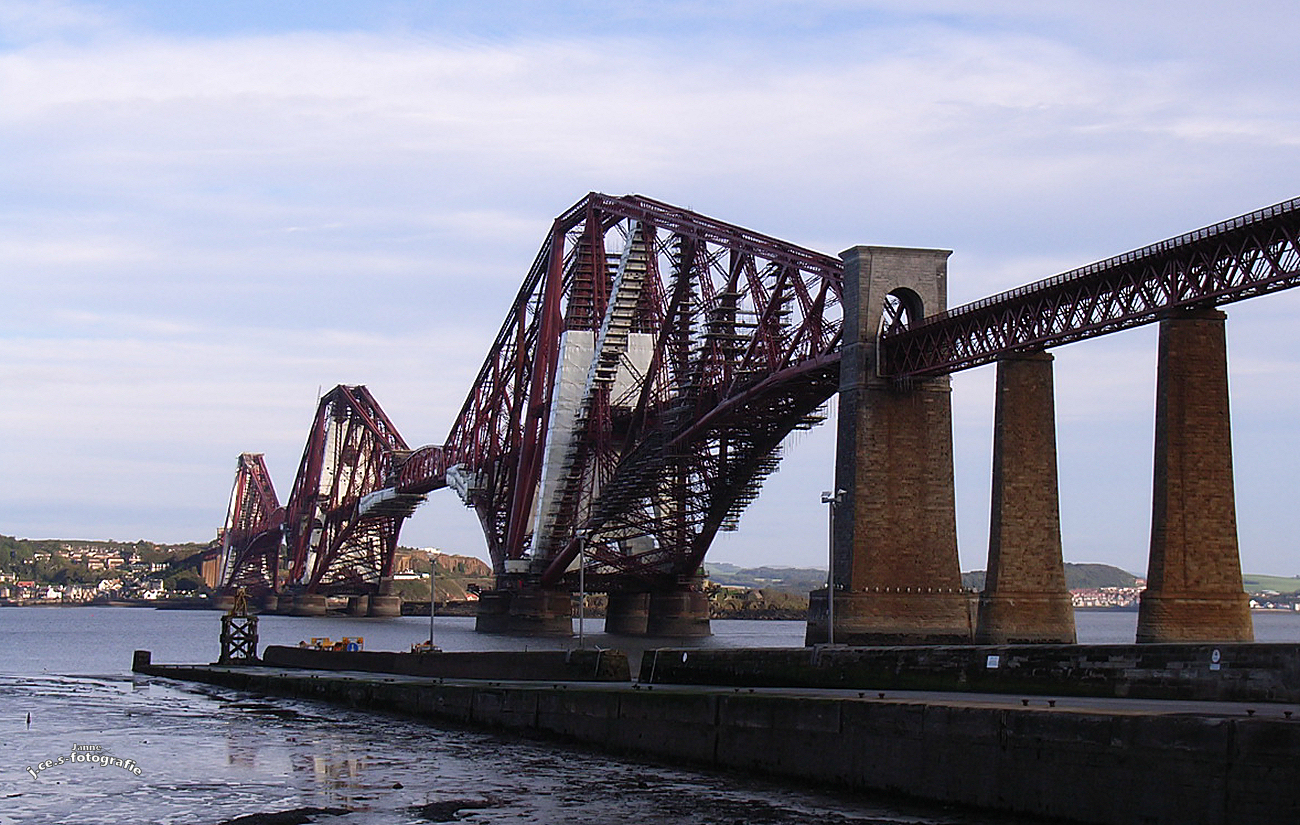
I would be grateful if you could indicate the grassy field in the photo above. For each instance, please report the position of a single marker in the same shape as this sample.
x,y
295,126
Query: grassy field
x,y
1255,584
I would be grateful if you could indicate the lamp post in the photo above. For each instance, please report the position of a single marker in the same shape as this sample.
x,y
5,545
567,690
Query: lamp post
x,y
433,591
582,589
832,499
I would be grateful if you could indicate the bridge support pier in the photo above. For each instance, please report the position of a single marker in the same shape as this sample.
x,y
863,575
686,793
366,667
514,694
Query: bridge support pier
x,y
308,604
527,611
1194,588
358,605
383,604
627,613
894,559
270,603
385,607
679,612
1025,599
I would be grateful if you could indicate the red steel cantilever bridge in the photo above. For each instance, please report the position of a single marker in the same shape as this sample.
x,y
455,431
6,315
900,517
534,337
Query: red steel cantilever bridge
x,y
646,374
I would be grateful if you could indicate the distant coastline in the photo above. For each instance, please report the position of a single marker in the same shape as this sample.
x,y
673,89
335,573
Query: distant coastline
x,y
157,604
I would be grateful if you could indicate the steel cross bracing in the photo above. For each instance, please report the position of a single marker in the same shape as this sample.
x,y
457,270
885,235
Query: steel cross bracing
x,y
636,395
250,538
1230,261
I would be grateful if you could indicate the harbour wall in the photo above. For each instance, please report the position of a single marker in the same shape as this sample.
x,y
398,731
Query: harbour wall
x,y
541,665
1080,764
1200,672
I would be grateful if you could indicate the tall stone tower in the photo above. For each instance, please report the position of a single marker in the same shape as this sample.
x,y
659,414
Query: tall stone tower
x,y
894,545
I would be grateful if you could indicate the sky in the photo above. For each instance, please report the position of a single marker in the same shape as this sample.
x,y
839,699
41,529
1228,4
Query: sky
x,y
210,213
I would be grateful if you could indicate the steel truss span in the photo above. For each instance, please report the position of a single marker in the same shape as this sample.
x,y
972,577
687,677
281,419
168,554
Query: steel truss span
x,y
1230,261
638,392
334,543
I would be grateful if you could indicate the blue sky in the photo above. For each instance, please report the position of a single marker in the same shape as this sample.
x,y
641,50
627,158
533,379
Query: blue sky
x,y
211,212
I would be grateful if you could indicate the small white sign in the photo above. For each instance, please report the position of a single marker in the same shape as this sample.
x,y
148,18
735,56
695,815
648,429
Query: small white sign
x,y
994,661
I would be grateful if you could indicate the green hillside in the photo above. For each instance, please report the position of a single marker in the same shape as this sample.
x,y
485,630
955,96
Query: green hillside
x,y
795,580
803,580
1256,583
1077,577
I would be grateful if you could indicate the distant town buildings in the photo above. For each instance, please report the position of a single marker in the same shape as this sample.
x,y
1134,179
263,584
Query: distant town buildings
x,y
91,572
1108,597
83,573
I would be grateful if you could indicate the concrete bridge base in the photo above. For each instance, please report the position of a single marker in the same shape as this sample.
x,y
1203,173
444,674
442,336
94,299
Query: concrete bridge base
x,y
1025,600
358,605
678,613
224,602
1194,588
269,603
627,614
894,536
385,607
1025,618
309,604
525,612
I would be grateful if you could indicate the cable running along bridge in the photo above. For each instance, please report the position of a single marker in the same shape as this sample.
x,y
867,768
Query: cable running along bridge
x,y
638,392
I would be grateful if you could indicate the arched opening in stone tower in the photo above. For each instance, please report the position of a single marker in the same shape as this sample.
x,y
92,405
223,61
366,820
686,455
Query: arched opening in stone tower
x,y
902,308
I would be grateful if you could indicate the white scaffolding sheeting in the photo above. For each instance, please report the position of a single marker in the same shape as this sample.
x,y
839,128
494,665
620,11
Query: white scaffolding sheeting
x,y
633,368
603,360
464,481
577,348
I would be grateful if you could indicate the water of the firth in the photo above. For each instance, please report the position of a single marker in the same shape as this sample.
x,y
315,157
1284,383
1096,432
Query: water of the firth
x,y
207,755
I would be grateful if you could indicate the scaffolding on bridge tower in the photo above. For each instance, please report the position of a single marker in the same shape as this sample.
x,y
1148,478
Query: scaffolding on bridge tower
x,y
337,535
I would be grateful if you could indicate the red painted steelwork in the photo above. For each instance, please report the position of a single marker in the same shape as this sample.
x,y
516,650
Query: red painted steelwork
x,y
423,471
351,449
1230,261
652,474
250,539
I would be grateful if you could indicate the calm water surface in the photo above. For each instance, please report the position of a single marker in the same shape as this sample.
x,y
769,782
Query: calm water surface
x,y
208,755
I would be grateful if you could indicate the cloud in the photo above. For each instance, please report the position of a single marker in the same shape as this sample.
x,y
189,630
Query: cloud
x,y
29,21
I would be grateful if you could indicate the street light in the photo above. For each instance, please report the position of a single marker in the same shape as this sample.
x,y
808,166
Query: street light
x,y
833,499
582,589
433,593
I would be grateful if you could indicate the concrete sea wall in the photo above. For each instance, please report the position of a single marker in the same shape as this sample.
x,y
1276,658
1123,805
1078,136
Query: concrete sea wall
x,y
539,665
1081,764
1201,672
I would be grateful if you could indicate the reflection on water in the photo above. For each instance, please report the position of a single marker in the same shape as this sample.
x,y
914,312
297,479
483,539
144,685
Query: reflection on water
x,y
338,774
208,755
